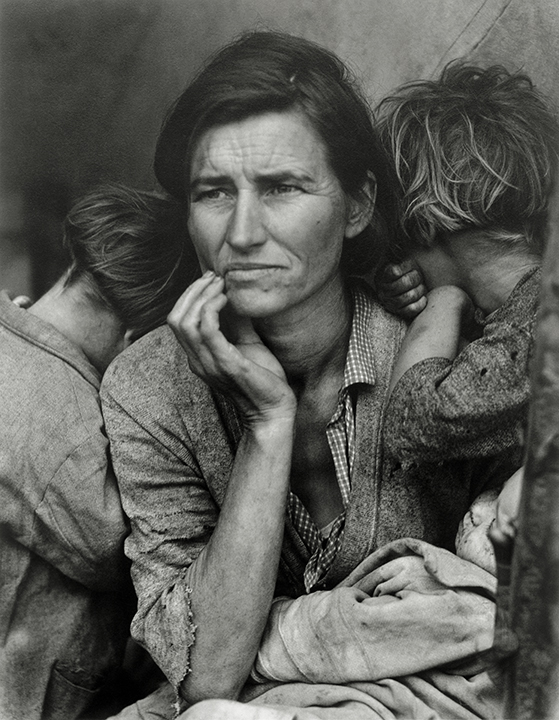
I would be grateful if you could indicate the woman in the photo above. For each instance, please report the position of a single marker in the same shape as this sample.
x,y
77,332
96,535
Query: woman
x,y
249,453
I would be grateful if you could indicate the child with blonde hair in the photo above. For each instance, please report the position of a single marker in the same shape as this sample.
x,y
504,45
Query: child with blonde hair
x,y
475,155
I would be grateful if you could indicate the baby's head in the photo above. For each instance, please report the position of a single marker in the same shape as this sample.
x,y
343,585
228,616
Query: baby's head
x,y
493,508
472,541
475,149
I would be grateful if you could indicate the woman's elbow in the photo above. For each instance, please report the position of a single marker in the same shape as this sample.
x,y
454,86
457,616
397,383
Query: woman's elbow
x,y
211,684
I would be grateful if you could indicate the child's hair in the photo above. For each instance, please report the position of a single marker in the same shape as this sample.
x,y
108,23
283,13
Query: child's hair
x,y
473,149
132,250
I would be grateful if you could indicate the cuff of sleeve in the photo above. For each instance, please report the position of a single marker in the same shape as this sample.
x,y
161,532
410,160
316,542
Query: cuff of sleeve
x,y
273,661
170,632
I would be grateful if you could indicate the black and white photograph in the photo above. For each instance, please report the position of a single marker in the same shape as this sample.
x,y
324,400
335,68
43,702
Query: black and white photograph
x,y
279,360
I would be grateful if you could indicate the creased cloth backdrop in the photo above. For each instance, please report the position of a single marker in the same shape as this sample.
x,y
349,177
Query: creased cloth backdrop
x,y
85,83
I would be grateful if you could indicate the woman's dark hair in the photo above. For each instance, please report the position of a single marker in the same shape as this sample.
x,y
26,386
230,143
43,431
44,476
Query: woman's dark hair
x,y
476,148
274,72
131,249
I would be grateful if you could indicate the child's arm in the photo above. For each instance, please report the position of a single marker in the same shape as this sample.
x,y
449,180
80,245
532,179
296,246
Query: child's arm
x,y
435,332
475,405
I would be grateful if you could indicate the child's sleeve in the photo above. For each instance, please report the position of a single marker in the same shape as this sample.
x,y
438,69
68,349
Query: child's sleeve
x,y
470,407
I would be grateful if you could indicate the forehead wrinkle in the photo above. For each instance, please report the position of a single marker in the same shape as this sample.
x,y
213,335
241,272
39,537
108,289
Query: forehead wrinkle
x,y
258,153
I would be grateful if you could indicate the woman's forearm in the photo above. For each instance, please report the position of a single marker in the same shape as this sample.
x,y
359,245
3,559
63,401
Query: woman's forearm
x,y
234,577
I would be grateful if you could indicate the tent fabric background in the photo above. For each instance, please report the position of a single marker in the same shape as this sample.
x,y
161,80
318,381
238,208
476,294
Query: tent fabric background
x,y
86,83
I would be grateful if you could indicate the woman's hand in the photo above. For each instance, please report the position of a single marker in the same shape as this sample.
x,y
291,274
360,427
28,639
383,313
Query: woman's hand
x,y
407,573
239,365
233,578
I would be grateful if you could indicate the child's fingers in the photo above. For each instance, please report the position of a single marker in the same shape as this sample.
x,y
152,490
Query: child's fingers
x,y
394,271
503,546
407,304
23,301
411,281
408,297
411,311
508,502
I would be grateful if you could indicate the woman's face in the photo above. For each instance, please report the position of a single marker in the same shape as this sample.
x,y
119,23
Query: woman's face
x,y
267,212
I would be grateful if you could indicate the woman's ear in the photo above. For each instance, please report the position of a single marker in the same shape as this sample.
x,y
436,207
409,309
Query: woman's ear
x,y
361,207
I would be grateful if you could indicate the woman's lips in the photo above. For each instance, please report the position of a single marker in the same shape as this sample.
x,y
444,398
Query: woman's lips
x,y
249,271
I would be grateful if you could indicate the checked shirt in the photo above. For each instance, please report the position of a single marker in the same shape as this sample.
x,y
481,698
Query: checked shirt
x,y
323,544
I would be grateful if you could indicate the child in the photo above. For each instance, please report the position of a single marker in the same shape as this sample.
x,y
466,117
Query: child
x,y
491,519
475,155
66,595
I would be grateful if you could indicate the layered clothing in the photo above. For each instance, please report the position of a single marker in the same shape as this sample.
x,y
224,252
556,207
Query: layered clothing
x,y
65,592
173,442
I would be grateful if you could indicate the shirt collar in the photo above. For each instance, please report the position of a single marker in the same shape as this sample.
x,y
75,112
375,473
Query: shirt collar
x,y
359,365
525,286
44,335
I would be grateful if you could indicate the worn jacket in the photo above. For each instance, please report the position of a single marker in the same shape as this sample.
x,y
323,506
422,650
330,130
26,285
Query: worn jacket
x,y
477,404
173,443
64,579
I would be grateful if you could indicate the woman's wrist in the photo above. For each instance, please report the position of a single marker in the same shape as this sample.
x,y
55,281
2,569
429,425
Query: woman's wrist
x,y
273,425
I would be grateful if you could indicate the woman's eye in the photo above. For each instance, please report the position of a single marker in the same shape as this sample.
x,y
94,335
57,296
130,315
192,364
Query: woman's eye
x,y
210,194
284,189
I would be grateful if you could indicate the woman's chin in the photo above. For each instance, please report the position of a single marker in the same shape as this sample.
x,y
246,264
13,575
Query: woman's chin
x,y
254,304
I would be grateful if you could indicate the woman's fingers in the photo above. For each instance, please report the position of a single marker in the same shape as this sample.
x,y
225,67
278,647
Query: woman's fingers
x,y
391,586
244,368
239,330
195,318
378,576
185,317
190,294
208,315
403,573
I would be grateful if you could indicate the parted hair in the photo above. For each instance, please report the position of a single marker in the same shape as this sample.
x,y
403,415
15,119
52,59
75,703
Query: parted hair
x,y
265,71
476,148
129,248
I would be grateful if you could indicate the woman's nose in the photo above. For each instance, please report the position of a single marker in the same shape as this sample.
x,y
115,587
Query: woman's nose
x,y
246,227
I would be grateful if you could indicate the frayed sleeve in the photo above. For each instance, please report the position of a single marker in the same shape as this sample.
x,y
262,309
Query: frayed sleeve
x,y
171,511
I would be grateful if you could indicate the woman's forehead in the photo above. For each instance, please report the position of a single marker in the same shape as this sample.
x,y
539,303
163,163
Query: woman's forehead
x,y
269,142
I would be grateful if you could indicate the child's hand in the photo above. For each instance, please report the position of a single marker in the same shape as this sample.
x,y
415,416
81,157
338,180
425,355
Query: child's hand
x,y
401,290
508,504
503,530
22,301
